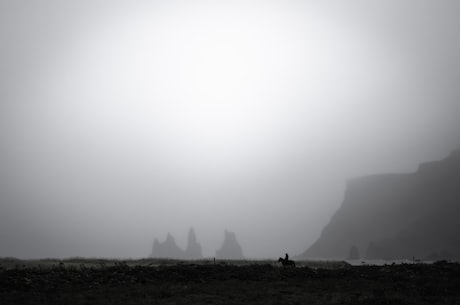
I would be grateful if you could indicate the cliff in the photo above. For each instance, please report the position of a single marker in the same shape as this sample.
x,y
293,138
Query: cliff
x,y
397,216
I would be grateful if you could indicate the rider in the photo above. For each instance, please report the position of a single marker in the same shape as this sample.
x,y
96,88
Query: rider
x,y
286,258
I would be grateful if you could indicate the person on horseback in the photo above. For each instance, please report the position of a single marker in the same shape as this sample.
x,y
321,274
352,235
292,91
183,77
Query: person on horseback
x,y
285,261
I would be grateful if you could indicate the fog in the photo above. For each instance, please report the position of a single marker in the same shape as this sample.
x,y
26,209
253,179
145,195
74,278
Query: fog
x,y
121,121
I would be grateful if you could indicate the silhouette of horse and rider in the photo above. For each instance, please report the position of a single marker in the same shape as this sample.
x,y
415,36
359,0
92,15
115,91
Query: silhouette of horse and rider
x,y
286,261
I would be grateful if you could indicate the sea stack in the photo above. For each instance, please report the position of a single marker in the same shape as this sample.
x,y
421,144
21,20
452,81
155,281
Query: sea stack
x,y
230,249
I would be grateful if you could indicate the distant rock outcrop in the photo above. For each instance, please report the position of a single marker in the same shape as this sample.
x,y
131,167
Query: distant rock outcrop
x,y
169,248
398,216
193,250
230,249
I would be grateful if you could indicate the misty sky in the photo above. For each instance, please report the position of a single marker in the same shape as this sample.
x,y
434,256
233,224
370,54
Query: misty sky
x,y
121,121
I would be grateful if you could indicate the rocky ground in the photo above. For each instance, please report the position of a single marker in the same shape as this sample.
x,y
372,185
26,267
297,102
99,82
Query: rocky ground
x,y
227,283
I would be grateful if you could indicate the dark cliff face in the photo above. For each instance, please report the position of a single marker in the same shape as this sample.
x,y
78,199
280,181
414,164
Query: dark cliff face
x,y
398,216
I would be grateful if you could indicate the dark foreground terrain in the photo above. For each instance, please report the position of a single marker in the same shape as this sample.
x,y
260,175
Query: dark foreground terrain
x,y
145,282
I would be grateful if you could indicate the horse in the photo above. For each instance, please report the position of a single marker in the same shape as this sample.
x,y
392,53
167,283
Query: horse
x,y
286,262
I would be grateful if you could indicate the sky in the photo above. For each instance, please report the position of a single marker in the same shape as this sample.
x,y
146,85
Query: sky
x,y
121,121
